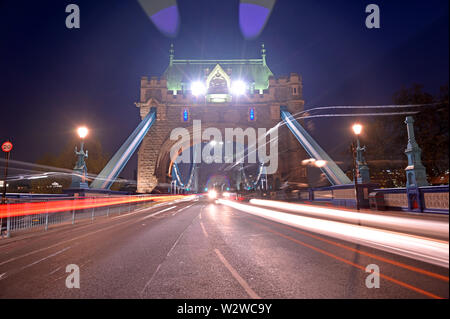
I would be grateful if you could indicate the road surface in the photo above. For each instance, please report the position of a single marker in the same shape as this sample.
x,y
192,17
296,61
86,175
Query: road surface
x,y
200,249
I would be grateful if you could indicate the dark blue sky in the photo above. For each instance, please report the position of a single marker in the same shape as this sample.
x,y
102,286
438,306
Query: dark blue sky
x,y
53,79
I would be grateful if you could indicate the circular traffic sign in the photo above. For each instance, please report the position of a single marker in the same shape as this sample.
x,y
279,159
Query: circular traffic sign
x,y
7,147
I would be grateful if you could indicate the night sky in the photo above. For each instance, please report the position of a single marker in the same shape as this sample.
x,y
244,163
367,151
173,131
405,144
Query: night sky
x,y
53,79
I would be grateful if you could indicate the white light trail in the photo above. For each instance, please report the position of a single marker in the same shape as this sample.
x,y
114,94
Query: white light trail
x,y
405,224
424,249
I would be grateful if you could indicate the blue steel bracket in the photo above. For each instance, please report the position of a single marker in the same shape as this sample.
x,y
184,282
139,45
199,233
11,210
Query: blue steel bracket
x,y
111,171
333,173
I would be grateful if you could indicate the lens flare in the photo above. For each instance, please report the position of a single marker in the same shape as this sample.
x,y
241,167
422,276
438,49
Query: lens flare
x,y
164,15
198,88
238,87
253,16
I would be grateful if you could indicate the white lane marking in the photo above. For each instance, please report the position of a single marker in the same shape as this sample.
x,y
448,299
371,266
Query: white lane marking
x,y
168,254
142,209
236,276
63,242
182,209
78,237
45,258
151,279
204,230
65,276
150,208
3,276
55,271
157,213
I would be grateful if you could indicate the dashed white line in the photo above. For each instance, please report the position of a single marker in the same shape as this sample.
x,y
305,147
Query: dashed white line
x,y
55,271
236,275
182,209
3,276
42,259
157,213
204,230
151,279
168,254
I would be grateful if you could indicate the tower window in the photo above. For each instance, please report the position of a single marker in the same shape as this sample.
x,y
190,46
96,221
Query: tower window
x,y
185,115
251,114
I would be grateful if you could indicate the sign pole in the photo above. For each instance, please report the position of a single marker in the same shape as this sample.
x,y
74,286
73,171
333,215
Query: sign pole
x,y
6,177
6,148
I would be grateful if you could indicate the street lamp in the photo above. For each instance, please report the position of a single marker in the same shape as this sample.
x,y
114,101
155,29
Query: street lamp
x,y
82,132
357,129
80,168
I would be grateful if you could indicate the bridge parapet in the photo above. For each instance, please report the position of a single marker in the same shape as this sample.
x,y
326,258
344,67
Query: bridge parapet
x,y
427,199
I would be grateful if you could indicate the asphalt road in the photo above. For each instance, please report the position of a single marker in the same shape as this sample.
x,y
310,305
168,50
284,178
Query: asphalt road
x,y
200,249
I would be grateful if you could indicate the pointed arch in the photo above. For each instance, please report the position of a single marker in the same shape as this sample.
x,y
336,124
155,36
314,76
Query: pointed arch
x,y
218,70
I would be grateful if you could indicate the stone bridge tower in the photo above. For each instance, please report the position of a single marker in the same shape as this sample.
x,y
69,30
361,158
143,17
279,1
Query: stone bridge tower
x,y
177,106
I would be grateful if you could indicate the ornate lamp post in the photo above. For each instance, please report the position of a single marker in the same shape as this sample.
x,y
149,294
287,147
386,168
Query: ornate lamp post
x,y
416,174
356,152
80,169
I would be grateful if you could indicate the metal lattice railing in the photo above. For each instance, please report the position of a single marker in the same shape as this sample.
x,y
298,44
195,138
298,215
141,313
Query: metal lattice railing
x,y
70,214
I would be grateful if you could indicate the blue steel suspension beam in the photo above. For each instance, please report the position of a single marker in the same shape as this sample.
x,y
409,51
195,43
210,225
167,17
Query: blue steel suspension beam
x,y
108,175
333,173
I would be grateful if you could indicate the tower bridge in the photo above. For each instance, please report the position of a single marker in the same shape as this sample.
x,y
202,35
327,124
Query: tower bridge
x,y
177,105
220,94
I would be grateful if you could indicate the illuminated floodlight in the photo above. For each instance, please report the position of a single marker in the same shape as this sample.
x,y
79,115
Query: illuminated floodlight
x,y
82,132
238,87
357,128
198,88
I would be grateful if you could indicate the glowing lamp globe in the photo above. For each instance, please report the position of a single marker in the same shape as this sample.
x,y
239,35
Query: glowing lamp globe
x,y
82,132
357,129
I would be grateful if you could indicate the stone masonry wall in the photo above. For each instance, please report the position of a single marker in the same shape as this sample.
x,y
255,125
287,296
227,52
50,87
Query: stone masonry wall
x,y
152,154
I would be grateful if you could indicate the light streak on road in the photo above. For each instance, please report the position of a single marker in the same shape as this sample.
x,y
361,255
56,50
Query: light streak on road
x,y
405,224
23,209
420,248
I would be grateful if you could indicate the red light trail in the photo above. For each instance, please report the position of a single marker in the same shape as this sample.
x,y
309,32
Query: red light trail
x,y
23,209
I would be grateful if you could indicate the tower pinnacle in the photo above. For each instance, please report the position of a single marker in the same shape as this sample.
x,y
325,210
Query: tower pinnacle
x,y
263,54
171,54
